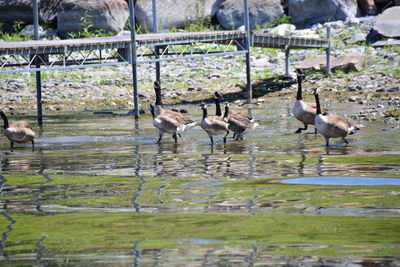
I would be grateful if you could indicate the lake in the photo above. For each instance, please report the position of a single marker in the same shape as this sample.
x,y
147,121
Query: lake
x,y
98,189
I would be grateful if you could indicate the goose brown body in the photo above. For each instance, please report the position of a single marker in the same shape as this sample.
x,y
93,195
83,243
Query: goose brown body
x,y
168,121
238,125
213,125
238,118
332,126
18,131
304,111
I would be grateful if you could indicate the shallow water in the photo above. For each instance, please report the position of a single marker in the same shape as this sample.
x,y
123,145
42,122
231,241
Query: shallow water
x,y
336,180
98,189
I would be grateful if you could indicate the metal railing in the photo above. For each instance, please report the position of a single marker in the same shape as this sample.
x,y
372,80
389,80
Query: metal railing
x,y
36,56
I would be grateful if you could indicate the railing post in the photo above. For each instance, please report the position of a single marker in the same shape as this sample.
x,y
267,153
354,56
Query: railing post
x,y
134,58
156,48
35,10
287,61
328,51
247,44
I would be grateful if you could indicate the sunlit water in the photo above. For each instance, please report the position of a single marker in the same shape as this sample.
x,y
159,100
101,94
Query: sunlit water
x,y
110,164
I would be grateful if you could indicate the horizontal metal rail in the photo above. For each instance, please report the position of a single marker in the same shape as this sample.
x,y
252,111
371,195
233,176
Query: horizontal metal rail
x,y
114,50
267,40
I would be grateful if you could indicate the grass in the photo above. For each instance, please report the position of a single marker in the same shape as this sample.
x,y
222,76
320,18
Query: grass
x,y
283,234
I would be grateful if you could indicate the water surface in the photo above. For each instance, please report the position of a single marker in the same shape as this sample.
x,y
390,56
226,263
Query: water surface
x,y
97,189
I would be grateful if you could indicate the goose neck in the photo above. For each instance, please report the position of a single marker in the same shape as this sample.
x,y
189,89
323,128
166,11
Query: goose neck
x,y
317,103
218,111
157,90
226,112
5,120
299,89
205,114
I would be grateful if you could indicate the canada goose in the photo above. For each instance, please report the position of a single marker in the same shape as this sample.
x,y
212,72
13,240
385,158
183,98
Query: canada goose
x,y
168,121
236,125
166,124
331,126
213,125
170,113
244,118
18,131
304,111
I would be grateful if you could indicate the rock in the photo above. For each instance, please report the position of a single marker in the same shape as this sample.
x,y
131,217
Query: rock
x,y
230,13
260,63
355,38
368,7
345,63
283,30
306,33
305,13
11,11
174,13
367,20
50,34
334,24
108,15
389,89
388,23
21,10
350,63
315,63
28,31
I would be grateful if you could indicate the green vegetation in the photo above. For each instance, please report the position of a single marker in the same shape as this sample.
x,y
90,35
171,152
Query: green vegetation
x,y
364,159
88,32
200,22
74,233
279,20
14,36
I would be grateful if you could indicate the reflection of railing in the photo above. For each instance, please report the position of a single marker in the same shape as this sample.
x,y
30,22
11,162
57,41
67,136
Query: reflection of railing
x,y
138,168
136,253
4,235
39,200
41,247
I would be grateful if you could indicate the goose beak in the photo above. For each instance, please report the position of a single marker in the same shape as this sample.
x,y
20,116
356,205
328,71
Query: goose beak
x,y
217,95
314,91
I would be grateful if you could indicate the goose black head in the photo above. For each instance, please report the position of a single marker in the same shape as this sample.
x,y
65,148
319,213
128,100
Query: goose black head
x,y
203,105
314,91
217,95
300,74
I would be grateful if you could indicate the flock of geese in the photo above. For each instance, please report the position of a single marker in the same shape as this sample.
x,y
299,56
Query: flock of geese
x,y
220,124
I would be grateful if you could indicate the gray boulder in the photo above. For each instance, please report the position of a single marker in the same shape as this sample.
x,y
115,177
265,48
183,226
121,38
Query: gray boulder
x,y
350,63
345,63
230,14
174,13
305,13
108,15
28,31
21,10
388,23
282,30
